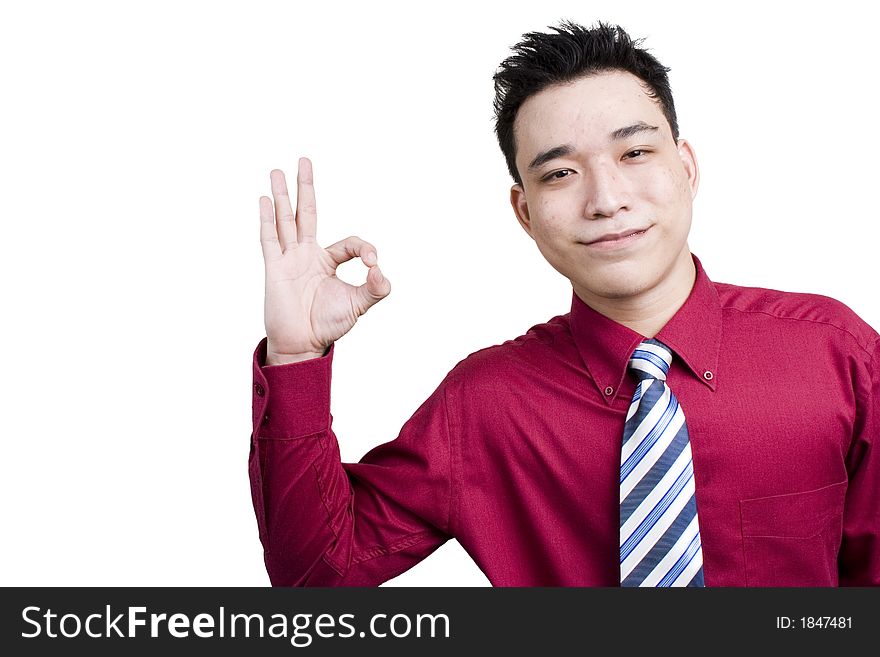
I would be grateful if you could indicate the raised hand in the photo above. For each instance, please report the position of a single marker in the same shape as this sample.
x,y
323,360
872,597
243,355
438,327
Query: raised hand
x,y
307,307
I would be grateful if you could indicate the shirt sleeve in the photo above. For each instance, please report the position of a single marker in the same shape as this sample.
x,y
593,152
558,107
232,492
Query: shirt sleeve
x,y
859,557
327,523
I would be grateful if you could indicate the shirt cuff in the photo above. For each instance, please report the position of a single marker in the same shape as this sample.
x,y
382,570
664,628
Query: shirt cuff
x,y
291,400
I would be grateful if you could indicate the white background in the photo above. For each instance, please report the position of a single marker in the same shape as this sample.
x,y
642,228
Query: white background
x,y
136,138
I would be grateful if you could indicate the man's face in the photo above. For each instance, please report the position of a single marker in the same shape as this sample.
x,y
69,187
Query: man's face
x,y
597,159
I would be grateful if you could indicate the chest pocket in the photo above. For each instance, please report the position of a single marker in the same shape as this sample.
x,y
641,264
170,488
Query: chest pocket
x,y
793,539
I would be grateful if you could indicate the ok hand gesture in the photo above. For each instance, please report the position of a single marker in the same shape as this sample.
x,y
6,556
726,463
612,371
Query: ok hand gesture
x,y
307,307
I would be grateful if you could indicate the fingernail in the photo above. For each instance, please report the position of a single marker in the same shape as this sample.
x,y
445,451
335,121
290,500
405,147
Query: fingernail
x,y
379,276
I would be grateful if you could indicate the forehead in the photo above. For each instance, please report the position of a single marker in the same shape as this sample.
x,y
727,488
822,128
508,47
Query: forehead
x,y
584,112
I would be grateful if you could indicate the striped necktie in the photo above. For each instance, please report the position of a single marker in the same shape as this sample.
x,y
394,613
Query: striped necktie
x,y
659,534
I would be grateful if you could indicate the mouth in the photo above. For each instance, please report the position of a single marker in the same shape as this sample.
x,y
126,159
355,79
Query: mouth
x,y
622,239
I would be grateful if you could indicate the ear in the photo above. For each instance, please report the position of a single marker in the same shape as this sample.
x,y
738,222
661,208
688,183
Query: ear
x,y
689,160
521,208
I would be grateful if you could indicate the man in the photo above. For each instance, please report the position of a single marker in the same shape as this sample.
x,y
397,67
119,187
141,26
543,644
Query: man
x,y
668,431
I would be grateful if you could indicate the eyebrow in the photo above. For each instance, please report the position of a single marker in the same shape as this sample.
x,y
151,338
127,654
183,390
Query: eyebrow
x,y
552,154
630,130
567,149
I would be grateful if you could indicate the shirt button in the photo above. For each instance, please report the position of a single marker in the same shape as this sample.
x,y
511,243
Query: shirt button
x,y
609,390
708,375
265,418
259,390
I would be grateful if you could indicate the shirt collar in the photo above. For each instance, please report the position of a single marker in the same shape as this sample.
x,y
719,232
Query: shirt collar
x,y
693,333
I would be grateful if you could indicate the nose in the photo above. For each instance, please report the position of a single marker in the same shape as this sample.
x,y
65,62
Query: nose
x,y
606,193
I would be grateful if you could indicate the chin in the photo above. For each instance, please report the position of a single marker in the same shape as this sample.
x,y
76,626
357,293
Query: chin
x,y
612,291
618,283
619,292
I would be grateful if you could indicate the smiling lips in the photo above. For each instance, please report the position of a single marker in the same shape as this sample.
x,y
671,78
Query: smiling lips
x,y
618,238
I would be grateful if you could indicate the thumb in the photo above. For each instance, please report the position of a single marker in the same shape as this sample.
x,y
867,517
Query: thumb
x,y
374,290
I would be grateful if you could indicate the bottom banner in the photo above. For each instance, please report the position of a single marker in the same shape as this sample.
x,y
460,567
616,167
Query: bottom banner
x,y
432,620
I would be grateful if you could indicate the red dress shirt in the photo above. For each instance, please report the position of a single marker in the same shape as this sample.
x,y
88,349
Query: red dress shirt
x,y
517,452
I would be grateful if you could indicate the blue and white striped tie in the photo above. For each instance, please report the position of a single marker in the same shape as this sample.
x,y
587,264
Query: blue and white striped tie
x,y
659,533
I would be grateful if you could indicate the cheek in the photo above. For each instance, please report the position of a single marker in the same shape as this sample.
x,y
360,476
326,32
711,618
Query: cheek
x,y
659,184
550,228
550,233
667,189
684,186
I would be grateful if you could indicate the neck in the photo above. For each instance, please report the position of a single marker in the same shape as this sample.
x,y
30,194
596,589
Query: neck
x,y
648,311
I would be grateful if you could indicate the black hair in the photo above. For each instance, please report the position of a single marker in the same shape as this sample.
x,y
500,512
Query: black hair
x,y
544,59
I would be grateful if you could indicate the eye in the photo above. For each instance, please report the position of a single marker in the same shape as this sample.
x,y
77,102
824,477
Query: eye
x,y
557,175
636,152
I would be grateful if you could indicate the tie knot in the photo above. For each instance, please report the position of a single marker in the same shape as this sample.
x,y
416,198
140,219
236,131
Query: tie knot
x,y
651,360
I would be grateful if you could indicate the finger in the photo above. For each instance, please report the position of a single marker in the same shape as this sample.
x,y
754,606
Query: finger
x,y
306,210
373,291
353,247
284,220
268,234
